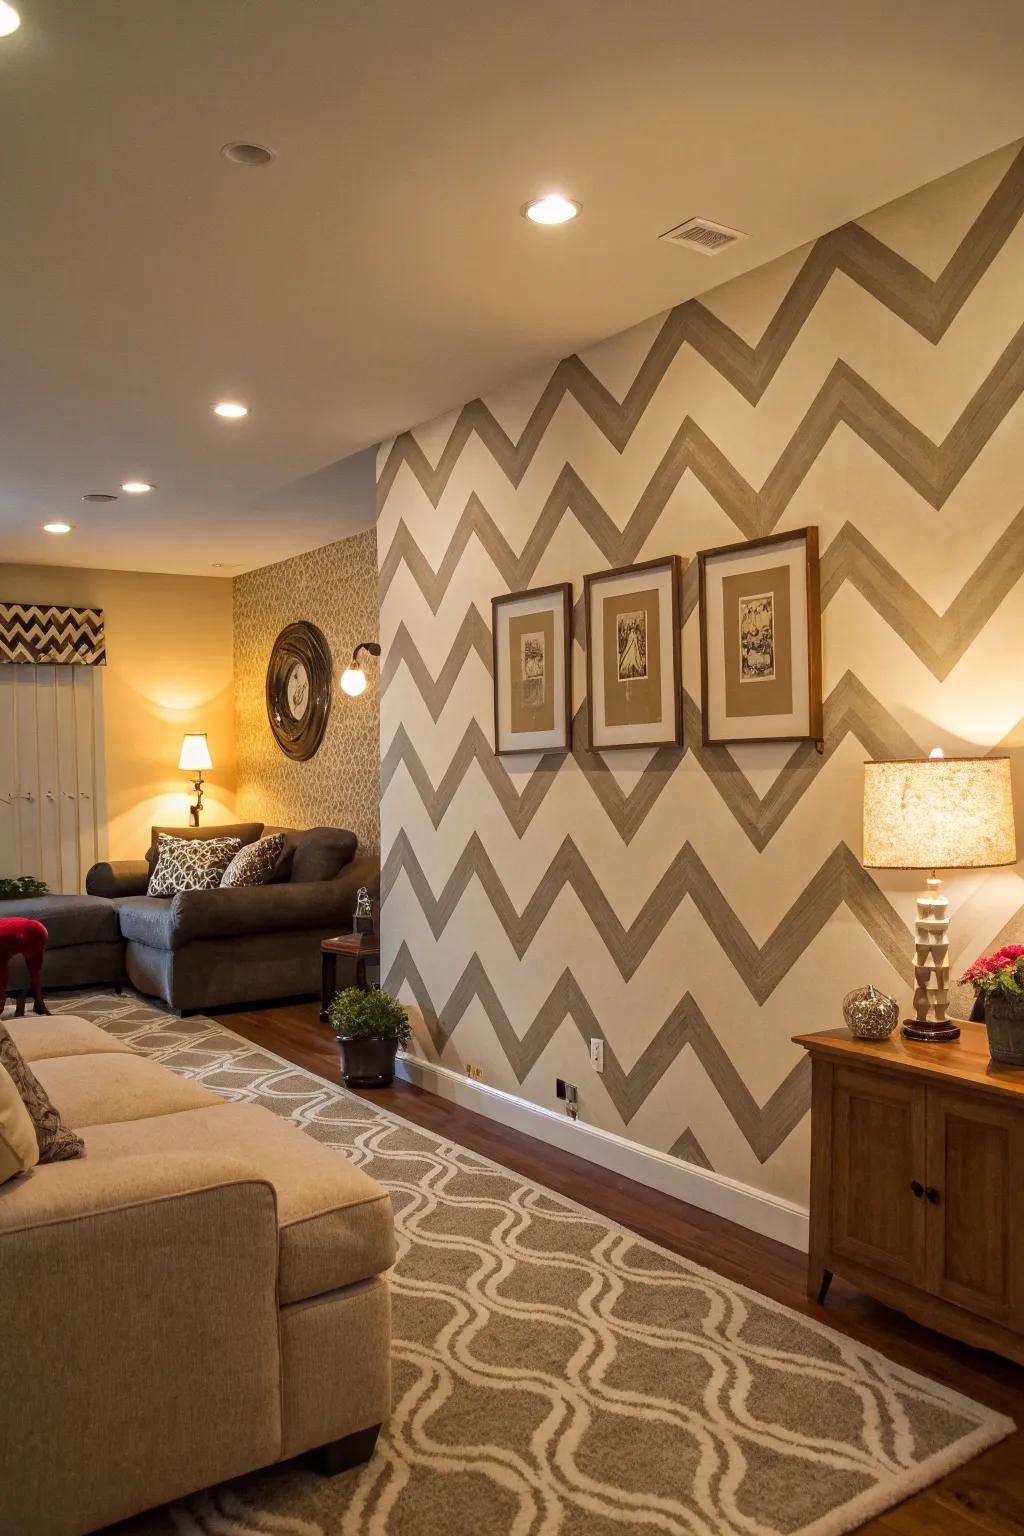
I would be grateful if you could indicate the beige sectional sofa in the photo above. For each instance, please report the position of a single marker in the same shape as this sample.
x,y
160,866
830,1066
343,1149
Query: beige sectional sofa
x,y
202,1294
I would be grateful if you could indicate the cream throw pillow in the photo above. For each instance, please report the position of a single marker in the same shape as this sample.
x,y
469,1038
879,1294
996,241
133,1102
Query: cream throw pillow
x,y
19,1149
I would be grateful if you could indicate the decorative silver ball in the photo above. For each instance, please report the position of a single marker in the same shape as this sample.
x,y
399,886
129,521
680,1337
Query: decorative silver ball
x,y
870,1014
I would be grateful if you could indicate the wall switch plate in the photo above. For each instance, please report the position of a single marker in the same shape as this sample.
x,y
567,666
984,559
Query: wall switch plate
x,y
474,1072
570,1093
597,1053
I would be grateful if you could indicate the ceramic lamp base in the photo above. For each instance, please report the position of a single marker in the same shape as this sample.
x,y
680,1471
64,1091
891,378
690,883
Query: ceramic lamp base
x,y
933,1033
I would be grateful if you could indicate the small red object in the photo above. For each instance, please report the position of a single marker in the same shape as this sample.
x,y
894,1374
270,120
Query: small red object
x,y
23,936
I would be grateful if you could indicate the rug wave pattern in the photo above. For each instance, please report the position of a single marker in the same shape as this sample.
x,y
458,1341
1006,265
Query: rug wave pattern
x,y
556,1374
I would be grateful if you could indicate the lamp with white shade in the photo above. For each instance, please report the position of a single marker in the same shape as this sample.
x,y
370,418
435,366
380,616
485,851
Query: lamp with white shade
x,y
195,756
937,813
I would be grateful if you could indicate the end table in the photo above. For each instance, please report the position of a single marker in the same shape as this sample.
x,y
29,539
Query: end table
x,y
361,946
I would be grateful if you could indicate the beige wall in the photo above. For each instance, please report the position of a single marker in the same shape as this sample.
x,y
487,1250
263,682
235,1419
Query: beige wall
x,y
696,908
169,661
335,588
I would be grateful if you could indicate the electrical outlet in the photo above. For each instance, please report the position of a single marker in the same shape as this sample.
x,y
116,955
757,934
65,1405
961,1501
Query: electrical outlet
x,y
597,1053
570,1093
474,1072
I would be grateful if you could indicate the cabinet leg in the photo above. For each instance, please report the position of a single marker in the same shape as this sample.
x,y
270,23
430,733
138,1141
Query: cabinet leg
x,y
818,1281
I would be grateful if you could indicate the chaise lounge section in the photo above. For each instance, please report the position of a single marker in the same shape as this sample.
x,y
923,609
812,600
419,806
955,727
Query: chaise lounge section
x,y
201,1295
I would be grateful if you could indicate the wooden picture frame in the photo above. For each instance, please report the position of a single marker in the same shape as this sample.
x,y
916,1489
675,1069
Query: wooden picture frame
x,y
532,696
298,689
782,625
657,703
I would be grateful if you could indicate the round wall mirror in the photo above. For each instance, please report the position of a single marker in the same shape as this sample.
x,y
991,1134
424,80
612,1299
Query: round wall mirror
x,y
299,689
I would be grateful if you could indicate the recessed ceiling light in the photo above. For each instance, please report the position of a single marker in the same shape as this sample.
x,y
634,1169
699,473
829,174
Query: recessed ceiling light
x,y
552,209
56,527
99,496
10,21
136,487
231,410
241,153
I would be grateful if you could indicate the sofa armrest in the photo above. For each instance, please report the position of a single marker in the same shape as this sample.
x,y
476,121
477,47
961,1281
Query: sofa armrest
x,y
142,1292
125,877
244,909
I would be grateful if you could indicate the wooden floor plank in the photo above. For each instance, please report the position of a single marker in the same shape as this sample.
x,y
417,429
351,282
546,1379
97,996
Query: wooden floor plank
x,y
984,1498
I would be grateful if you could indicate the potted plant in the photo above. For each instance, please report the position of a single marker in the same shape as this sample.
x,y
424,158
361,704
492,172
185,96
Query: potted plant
x,y
998,982
20,887
370,1027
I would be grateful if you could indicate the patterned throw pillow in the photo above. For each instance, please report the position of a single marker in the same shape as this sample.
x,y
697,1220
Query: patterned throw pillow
x,y
56,1143
190,863
255,863
19,1150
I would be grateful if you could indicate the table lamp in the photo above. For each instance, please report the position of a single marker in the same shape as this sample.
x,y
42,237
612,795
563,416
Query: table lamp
x,y
937,813
195,756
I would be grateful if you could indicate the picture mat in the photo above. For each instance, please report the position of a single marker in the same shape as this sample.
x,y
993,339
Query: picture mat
x,y
720,725
531,651
628,585
508,739
637,700
774,696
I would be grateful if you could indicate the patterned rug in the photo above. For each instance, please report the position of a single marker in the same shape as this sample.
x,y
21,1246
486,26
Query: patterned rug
x,y
557,1374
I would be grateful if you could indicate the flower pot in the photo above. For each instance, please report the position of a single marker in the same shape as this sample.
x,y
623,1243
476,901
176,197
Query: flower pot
x,y
1004,1020
368,1061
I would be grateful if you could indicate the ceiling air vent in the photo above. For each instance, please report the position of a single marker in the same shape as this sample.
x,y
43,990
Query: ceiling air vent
x,y
704,236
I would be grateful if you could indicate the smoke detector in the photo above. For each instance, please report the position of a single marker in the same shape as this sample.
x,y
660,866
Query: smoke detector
x,y
703,235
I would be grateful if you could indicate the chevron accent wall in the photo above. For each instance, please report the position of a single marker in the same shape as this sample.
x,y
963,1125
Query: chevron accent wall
x,y
694,908
41,634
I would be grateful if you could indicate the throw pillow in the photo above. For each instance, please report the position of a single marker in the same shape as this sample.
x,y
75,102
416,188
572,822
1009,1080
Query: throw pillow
x,y
56,1143
190,863
19,1150
255,864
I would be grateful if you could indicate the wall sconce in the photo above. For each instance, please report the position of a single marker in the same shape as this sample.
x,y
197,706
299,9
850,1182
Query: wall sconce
x,y
195,756
353,679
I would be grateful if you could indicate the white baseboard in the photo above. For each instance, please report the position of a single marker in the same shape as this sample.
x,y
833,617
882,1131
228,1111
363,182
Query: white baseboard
x,y
753,1208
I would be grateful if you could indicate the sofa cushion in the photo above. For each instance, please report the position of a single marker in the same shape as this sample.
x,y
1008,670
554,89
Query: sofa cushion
x,y
190,864
255,863
147,920
321,853
57,1144
19,1149
335,1222
108,1087
245,831
61,1034
69,919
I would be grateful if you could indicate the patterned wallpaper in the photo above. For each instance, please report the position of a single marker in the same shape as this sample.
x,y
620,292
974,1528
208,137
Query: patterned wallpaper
x,y
336,588
697,907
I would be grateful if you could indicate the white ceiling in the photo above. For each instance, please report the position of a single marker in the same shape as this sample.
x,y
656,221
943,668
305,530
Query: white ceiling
x,y
378,271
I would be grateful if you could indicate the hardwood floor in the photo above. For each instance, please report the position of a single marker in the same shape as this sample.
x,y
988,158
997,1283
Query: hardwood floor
x,y
986,1496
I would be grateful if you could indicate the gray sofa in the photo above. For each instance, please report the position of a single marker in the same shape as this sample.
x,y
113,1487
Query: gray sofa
x,y
207,949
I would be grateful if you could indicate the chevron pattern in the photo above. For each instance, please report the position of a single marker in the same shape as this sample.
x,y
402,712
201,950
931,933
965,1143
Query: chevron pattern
x,y
694,907
34,634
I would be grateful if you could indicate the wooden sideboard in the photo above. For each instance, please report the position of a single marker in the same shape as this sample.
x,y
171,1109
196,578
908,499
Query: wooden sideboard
x,y
917,1181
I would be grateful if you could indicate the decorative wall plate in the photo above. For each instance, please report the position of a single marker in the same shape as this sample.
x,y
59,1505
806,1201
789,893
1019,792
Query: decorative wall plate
x,y
299,689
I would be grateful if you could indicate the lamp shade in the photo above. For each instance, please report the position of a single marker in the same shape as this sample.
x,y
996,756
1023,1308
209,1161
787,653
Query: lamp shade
x,y
939,813
195,754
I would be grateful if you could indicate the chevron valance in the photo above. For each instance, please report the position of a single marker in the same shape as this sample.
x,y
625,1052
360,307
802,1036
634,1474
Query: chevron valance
x,y
45,635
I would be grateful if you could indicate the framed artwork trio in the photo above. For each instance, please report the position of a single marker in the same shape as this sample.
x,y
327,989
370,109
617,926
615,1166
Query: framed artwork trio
x,y
760,651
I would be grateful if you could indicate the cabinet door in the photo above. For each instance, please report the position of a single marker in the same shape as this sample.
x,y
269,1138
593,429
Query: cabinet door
x,y
878,1158
975,1172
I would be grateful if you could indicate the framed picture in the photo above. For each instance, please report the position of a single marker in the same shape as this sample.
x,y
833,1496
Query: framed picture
x,y
634,660
531,633
760,639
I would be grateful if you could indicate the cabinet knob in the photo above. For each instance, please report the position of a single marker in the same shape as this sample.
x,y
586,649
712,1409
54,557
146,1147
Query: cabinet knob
x,y
932,1195
917,1188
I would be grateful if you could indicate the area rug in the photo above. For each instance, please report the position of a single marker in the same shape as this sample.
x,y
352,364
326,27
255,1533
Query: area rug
x,y
554,1373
